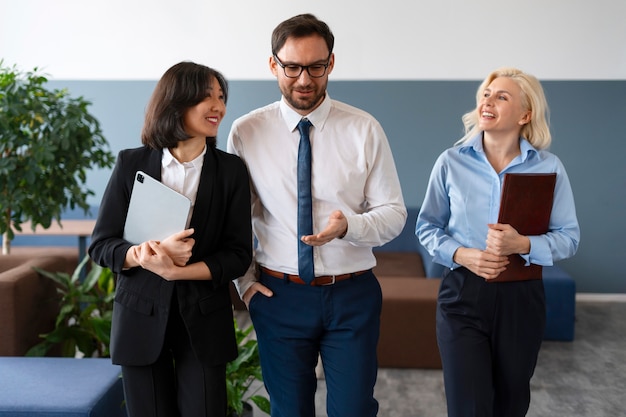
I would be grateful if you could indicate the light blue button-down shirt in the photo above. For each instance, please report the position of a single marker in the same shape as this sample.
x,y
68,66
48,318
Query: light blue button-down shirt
x,y
463,197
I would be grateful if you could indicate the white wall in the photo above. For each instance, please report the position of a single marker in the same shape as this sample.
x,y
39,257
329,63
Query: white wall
x,y
375,40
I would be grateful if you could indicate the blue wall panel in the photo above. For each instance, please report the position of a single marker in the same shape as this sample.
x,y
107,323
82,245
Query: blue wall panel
x,y
421,119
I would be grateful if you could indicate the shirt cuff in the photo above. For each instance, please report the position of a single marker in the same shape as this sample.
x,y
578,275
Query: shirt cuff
x,y
243,283
353,226
540,252
445,254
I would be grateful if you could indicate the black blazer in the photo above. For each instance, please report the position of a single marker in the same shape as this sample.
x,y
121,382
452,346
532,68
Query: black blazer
x,y
223,240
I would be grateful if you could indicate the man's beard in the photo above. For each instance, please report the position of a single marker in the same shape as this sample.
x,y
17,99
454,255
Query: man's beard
x,y
305,104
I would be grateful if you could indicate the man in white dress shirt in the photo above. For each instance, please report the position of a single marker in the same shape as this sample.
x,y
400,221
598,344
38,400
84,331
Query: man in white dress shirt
x,y
357,204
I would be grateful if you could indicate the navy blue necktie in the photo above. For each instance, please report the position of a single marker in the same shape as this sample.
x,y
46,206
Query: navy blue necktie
x,y
305,203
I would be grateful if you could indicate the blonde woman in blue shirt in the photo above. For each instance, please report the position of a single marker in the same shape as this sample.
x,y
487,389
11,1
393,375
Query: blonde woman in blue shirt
x,y
489,333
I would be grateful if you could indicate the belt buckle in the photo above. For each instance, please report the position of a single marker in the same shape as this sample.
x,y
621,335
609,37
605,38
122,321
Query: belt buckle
x,y
331,282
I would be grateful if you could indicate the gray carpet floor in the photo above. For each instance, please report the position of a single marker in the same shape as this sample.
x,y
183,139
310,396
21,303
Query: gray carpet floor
x,y
583,378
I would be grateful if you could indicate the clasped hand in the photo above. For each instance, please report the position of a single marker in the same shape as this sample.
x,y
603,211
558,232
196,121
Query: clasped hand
x,y
502,240
161,257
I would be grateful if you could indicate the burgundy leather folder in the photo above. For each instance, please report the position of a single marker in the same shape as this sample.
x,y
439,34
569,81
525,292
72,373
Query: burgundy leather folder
x,y
526,204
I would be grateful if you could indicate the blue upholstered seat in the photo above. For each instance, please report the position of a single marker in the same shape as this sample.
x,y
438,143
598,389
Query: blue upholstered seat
x,y
55,387
560,291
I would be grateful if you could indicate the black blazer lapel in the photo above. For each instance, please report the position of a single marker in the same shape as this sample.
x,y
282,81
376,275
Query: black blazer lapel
x,y
204,208
153,166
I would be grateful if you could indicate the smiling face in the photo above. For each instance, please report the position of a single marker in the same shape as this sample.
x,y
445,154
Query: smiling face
x,y
501,108
303,93
203,119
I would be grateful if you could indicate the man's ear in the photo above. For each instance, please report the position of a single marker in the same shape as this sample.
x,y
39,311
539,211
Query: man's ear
x,y
272,63
331,64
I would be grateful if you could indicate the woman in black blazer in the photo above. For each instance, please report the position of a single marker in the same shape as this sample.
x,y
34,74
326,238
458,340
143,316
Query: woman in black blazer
x,y
172,329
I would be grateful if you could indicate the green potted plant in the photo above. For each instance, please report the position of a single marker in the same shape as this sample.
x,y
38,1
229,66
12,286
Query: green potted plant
x,y
242,373
86,308
48,141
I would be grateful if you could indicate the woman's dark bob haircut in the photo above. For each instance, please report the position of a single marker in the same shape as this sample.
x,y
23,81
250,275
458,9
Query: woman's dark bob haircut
x,y
181,87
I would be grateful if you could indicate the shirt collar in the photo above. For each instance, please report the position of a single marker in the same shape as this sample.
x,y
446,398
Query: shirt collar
x,y
527,149
476,144
169,159
317,117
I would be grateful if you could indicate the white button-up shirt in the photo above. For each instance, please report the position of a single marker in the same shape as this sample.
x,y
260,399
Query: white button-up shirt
x,y
352,170
182,177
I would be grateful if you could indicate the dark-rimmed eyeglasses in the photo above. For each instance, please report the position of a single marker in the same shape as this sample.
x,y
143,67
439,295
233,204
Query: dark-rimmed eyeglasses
x,y
294,71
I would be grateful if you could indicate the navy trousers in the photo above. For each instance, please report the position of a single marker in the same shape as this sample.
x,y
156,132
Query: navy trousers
x,y
489,335
340,323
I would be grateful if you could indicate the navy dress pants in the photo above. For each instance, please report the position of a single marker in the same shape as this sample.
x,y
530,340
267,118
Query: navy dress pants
x,y
340,323
489,335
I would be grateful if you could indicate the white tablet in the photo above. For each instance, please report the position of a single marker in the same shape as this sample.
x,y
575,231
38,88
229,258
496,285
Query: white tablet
x,y
155,211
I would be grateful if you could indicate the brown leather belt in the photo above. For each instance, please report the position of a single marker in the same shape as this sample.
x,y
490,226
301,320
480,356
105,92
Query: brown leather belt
x,y
318,281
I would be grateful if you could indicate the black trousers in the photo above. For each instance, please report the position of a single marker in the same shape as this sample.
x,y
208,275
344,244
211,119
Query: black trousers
x,y
177,384
489,336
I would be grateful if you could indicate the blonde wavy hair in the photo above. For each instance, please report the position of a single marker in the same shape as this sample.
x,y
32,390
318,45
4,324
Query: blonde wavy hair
x,y
537,131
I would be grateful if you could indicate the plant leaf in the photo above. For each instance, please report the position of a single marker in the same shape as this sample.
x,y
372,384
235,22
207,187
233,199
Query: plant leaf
x,y
262,402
